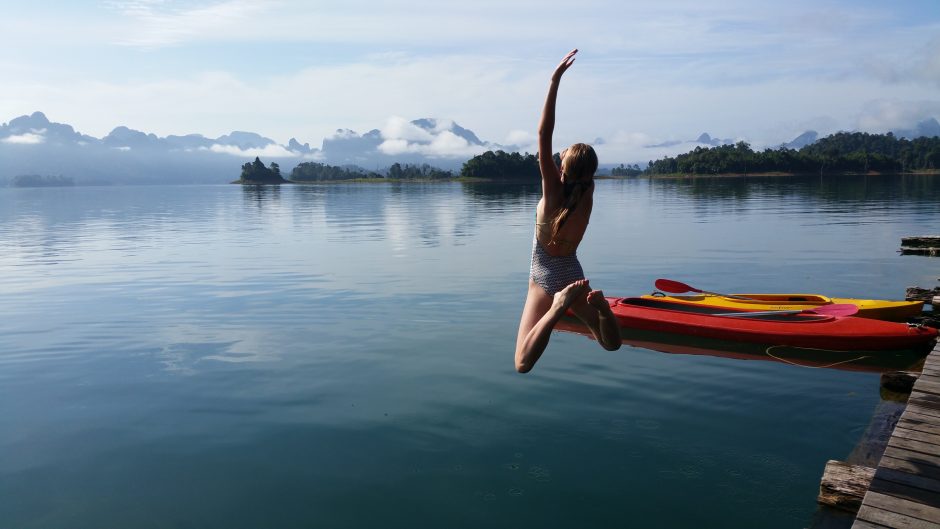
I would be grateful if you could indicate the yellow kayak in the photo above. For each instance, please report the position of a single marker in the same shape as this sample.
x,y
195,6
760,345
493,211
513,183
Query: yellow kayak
x,y
867,308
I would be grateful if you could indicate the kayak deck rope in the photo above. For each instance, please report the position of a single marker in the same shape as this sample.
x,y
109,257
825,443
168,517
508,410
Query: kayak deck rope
x,y
785,361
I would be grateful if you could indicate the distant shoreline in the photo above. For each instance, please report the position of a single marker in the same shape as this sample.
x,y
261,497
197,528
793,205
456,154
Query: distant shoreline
x,y
385,181
932,172
766,174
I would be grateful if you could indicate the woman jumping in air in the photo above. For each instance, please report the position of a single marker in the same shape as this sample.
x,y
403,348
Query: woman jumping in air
x,y
556,280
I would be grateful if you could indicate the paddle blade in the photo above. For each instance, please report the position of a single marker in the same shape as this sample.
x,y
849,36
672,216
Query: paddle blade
x,y
673,287
838,309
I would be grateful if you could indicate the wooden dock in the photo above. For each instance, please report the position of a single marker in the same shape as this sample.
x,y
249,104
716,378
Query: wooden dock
x,y
905,491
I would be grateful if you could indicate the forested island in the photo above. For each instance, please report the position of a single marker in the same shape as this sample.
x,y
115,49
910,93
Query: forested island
x,y
35,180
319,172
844,152
255,173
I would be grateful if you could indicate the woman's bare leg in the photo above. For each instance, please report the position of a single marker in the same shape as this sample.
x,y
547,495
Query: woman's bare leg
x,y
539,316
595,312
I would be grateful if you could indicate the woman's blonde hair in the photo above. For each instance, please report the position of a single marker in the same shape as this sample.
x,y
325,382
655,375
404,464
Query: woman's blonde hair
x,y
578,165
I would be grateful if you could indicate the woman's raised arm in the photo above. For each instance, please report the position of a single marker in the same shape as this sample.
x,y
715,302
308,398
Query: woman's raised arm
x,y
550,174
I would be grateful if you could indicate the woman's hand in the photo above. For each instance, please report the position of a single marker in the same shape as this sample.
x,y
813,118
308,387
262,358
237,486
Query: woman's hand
x,y
564,65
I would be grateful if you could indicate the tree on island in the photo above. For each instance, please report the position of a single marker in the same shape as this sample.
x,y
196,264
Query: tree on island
x,y
501,165
417,172
315,171
34,180
256,173
626,170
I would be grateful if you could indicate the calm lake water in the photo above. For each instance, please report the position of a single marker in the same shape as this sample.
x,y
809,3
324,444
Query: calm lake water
x,y
341,356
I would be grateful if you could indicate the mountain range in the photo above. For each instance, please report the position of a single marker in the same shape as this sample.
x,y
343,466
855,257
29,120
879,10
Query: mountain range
x,y
34,145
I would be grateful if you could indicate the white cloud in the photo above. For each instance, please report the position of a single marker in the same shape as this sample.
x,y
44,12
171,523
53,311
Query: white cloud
x,y
920,65
393,147
449,144
29,138
156,23
398,128
272,150
401,137
521,137
445,144
886,114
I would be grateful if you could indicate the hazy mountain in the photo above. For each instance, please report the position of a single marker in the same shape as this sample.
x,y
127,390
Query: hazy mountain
x,y
807,138
36,125
33,145
714,142
929,128
702,138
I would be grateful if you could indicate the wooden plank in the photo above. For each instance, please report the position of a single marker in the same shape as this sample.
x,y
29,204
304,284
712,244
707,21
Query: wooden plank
x,y
914,416
913,446
921,240
862,524
843,485
907,492
920,410
927,394
930,252
911,422
924,460
926,385
891,519
922,406
925,397
916,407
929,381
922,437
910,467
902,506
912,479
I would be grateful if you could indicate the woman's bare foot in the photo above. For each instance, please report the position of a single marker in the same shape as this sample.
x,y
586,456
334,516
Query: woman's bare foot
x,y
566,296
597,300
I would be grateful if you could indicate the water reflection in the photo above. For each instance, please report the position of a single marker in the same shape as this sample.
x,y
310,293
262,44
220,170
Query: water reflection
x,y
261,195
844,189
867,361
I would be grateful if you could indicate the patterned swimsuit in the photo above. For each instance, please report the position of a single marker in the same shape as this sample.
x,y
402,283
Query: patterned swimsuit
x,y
553,273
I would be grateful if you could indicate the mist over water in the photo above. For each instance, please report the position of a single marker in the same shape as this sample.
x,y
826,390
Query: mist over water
x,y
341,355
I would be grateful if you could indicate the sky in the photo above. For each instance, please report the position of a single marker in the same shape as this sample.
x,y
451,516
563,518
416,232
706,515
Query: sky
x,y
647,72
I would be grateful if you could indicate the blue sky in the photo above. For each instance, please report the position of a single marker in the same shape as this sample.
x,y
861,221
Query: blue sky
x,y
647,72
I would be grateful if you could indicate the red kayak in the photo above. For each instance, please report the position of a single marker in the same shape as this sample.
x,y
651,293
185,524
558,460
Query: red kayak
x,y
819,331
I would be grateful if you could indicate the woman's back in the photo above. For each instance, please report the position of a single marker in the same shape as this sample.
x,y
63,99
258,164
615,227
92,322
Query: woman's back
x,y
571,232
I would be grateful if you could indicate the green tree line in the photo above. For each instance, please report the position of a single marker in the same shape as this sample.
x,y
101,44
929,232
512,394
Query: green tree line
x,y
626,170
315,171
256,172
417,172
500,165
841,152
